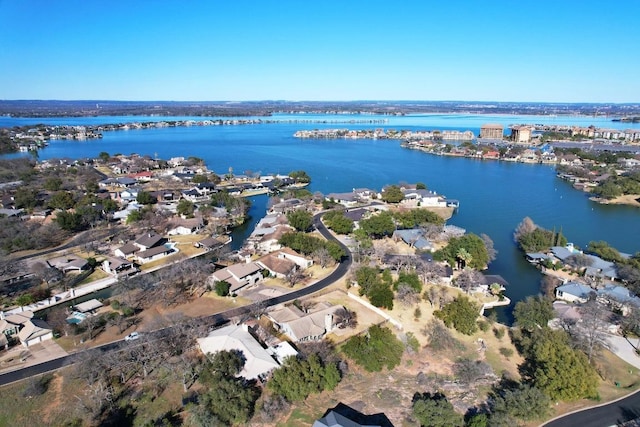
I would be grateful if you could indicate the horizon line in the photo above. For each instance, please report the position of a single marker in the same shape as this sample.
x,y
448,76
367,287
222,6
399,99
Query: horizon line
x,y
327,101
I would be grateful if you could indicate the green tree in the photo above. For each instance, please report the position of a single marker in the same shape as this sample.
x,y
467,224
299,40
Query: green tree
x,y
26,198
558,370
434,410
104,156
392,194
376,349
338,222
222,288
53,184
472,244
461,314
300,220
185,208
378,226
410,279
604,251
533,312
146,198
199,178
228,398
524,402
298,378
300,176
134,216
70,221
421,186
61,200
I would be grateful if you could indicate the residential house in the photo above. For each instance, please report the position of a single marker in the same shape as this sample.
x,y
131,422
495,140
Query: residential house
x,y
257,361
34,332
186,226
422,198
90,306
619,297
301,326
415,238
344,416
238,276
154,253
345,199
277,267
119,267
148,240
288,205
211,243
126,251
574,292
69,263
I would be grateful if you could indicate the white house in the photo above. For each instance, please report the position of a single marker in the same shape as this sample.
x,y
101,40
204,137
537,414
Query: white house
x,y
258,362
301,326
573,292
423,198
35,331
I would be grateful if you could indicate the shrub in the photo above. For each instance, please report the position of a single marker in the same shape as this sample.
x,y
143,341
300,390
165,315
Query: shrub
x,y
498,332
506,352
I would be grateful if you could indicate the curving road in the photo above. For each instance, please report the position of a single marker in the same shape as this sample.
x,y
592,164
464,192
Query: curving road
x,y
608,414
211,321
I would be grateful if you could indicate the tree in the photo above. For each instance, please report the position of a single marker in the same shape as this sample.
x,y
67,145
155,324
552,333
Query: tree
x,y
555,368
338,222
379,225
145,198
298,378
185,208
591,335
392,194
434,410
523,402
460,313
228,398
468,371
70,221
604,251
421,186
376,349
300,176
469,279
527,226
472,244
53,184
488,244
533,312
300,220
222,288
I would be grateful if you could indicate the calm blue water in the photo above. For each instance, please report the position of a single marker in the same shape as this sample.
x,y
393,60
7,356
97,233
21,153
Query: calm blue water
x,y
494,196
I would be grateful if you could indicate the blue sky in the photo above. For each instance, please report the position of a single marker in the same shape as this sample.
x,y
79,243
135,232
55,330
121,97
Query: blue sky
x,y
547,51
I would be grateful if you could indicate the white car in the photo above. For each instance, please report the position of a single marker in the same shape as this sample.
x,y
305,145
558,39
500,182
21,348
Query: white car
x,y
132,336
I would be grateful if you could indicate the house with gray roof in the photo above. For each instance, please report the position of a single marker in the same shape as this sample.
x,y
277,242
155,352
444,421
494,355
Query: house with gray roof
x,y
619,297
574,292
415,238
301,326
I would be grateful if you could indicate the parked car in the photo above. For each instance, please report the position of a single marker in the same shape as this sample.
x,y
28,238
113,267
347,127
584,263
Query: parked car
x,y
132,336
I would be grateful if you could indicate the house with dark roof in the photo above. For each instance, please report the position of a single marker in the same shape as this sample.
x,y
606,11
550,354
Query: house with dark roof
x,y
148,240
344,416
154,253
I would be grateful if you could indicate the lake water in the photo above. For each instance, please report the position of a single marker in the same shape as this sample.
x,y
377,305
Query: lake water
x,y
494,196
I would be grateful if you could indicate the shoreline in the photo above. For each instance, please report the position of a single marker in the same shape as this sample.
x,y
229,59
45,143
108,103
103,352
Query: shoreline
x,y
626,199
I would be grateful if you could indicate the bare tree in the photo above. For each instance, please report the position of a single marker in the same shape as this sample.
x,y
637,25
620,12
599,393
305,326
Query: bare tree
x,y
433,296
590,334
295,276
579,261
322,257
440,337
407,295
548,286
525,227
488,244
469,279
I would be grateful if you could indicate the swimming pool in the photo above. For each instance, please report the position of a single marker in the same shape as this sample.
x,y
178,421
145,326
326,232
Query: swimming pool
x,y
76,317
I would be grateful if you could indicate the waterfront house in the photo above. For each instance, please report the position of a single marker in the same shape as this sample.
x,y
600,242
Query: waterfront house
x,y
148,240
415,238
119,266
257,360
345,199
126,251
422,198
574,292
69,263
183,227
492,131
237,275
154,253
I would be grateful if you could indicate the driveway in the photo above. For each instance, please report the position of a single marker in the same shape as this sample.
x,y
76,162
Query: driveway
x,y
622,348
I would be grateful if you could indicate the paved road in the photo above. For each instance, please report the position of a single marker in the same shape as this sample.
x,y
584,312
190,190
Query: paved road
x,y
611,414
210,321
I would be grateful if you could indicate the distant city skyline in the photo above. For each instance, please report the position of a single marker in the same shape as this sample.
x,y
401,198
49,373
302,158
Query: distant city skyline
x,y
497,51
